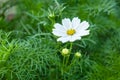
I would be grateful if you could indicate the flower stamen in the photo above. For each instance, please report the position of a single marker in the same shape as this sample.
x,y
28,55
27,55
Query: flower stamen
x,y
71,32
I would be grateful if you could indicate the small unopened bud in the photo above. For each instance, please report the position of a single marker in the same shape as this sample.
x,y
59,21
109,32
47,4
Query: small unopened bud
x,y
78,54
51,15
65,51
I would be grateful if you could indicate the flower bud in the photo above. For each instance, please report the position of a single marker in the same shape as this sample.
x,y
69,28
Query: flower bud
x,y
65,51
78,54
51,16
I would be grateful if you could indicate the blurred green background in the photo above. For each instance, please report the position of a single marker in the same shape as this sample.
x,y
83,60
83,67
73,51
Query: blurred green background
x,y
29,51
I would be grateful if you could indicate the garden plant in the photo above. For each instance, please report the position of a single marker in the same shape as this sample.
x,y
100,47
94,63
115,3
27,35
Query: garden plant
x,y
59,39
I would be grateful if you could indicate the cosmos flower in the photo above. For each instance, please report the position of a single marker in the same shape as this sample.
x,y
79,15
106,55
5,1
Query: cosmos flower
x,y
69,31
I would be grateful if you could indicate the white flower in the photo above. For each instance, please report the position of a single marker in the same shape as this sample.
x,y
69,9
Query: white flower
x,y
70,30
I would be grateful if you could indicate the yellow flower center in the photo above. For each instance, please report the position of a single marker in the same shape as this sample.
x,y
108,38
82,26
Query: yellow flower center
x,y
71,31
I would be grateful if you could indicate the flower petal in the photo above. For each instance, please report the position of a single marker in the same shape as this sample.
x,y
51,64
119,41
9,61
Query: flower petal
x,y
64,39
67,23
75,22
59,33
82,32
84,25
73,38
59,27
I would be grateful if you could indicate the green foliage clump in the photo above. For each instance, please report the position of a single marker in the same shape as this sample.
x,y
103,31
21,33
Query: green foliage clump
x,y
32,59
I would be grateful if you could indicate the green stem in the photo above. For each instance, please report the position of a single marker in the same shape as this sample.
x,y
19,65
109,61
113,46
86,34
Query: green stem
x,y
69,54
63,65
71,46
72,62
65,61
